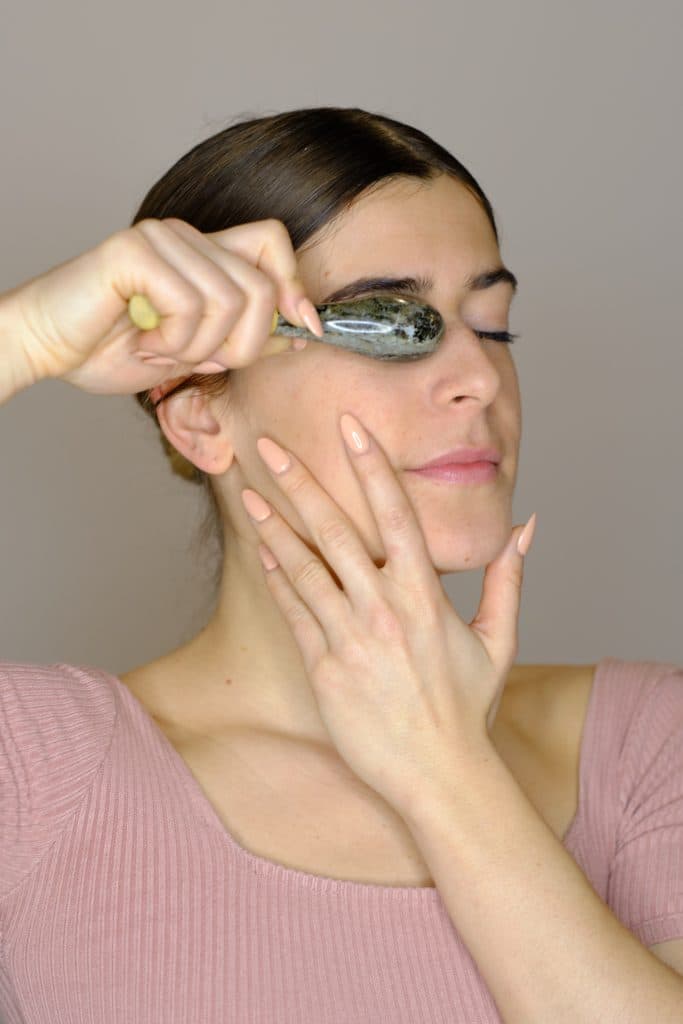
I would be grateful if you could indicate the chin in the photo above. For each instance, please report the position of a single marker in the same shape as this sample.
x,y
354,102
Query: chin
x,y
466,554
476,539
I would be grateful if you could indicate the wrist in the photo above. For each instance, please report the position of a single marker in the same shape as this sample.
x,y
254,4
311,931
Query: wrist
x,y
454,779
16,372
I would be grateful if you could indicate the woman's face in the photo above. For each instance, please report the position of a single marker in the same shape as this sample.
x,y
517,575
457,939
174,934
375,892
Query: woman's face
x,y
464,394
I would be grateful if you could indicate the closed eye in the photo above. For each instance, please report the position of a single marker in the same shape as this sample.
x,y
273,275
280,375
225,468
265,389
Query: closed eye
x,y
503,336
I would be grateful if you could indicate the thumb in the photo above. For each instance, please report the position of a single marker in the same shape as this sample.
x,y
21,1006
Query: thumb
x,y
275,344
497,617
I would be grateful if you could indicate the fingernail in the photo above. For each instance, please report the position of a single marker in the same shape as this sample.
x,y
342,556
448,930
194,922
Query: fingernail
x,y
355,437
257,508
275,457
155,359
160,390
210,367
273,345
309,315
526,536
268,559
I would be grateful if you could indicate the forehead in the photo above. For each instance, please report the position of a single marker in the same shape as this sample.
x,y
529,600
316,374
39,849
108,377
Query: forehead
x,y
406,225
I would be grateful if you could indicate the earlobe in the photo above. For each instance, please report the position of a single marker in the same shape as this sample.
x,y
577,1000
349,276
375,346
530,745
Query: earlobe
x,y
189,424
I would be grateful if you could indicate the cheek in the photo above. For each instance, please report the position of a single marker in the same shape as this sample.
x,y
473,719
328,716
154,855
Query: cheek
x,y
509,399
509,369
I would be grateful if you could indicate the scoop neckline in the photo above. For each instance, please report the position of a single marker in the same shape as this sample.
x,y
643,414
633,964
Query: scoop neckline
x,y
275,871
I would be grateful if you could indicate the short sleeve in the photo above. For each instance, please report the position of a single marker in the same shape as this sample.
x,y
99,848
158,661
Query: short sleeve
x,y
645,886
56,725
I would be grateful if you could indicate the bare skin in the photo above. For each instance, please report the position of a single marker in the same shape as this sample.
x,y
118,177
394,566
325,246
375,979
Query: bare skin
x,y
465,393
286,801
235,702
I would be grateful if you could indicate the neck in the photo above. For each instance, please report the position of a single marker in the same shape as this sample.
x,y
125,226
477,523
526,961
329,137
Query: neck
x,y
245,664
244,668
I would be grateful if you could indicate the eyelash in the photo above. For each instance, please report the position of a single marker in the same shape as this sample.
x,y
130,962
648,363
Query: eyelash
x,y
504,336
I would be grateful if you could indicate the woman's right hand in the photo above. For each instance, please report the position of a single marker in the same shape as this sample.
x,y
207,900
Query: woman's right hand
x,y
216,295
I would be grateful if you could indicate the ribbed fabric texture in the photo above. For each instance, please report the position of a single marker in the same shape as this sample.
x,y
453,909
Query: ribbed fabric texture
x,y
123,898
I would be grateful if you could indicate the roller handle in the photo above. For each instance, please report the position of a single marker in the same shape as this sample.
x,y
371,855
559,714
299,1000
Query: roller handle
x,y
145,317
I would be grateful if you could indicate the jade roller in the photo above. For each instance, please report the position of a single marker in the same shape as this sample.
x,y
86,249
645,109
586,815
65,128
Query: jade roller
x,y
382,328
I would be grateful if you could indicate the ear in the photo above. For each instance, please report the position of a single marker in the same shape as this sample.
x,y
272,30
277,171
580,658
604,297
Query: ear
x,y
189,421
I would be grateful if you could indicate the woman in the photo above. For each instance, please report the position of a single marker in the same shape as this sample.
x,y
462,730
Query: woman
x,y
338,801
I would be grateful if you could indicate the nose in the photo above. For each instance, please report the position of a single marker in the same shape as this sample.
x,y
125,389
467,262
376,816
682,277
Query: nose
x,y
465,367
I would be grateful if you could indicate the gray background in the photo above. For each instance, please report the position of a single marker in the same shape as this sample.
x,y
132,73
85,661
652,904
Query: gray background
x,y
569,116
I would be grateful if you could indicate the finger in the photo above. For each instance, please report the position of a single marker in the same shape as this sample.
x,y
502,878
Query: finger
x,y
250,337
241,335
219,298
497,618
266,245
250,333
305,627
272,346
306,573
407,555
333,533
130,264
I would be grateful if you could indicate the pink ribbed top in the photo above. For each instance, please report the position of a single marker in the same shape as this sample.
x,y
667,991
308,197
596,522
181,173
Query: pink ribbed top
x,y
124,899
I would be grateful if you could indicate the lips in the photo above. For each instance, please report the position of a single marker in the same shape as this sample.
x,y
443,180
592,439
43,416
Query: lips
x,y
462,456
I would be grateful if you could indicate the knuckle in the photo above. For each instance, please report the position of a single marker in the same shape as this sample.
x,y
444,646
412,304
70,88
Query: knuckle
x,y
163,227
429,617
141,236
277,228
165,224
353,648
232,299
385,623
264,289
281,238
516,576
397,519
309,573
334,532
297,614
298,484
176,222
190,302
239,360
330,676
141,225
125,243
147,226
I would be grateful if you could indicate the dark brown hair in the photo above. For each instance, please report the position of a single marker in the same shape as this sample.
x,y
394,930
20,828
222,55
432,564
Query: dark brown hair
x,y
302,167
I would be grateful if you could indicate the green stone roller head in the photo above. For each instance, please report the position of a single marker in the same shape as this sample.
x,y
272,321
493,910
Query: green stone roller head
x,y
395,329
391,328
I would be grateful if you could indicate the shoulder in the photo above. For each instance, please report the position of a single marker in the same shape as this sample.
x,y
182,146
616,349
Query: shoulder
x,y
546,705
66,694
646,871
56,725
54,711
648,699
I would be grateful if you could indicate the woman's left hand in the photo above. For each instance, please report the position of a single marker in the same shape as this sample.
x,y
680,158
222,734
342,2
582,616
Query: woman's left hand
x,y
405,687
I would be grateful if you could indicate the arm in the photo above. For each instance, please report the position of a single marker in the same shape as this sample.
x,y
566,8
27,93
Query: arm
x,y
547,946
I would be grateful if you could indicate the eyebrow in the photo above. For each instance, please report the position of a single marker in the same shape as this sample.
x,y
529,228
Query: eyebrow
x,y
418,286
